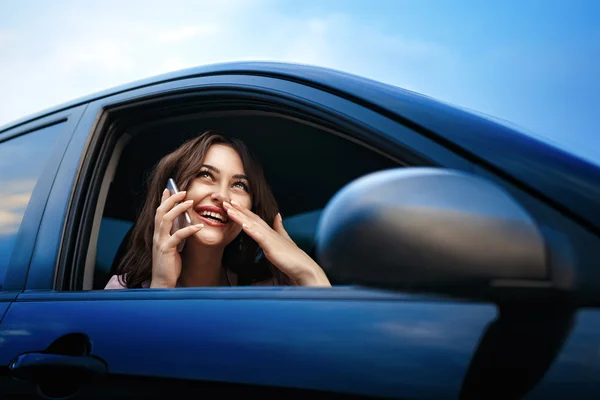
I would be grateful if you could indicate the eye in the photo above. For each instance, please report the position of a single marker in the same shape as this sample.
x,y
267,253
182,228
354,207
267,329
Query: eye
x,y
242,185
205,174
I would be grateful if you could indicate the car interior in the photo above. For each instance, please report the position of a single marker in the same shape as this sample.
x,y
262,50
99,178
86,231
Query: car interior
x,y
305,164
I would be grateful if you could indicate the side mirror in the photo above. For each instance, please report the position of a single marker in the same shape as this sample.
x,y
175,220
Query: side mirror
x,y
429,229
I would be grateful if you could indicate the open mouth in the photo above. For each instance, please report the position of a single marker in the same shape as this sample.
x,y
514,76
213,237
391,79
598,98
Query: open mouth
x,y
217,217
213,216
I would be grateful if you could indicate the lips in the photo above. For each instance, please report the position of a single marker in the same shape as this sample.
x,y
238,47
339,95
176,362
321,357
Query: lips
x,y
212,215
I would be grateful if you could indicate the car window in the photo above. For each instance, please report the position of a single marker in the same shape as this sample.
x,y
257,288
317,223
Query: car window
x,y
334,162
22,160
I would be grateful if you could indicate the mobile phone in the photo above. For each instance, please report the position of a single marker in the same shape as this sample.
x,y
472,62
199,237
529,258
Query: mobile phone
x,y
182,220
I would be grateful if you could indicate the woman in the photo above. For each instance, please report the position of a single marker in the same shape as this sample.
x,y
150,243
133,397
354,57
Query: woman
x,y
233,212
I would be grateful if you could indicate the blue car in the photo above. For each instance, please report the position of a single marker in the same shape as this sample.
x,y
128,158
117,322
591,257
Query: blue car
x,y
464,255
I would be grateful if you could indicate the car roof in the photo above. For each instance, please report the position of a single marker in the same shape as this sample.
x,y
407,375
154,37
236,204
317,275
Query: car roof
x,y
568,182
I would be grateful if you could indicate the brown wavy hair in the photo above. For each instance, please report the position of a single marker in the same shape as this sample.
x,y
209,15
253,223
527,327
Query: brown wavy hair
x,y
242,255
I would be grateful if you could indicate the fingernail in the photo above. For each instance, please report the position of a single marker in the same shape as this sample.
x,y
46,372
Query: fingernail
x,y
189,201
244,226
183,191
234,202
199,226
226,204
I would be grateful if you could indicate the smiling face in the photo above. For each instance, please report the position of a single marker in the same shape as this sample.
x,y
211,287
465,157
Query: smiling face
x,y
221,177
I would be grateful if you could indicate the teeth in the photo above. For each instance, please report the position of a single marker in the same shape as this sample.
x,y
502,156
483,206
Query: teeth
x,y
218,216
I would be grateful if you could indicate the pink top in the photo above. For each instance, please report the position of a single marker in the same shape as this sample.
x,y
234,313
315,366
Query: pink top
x,y
118,281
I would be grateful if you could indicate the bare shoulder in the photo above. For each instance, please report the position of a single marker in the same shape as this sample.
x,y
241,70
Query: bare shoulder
x,y
116,282
120,282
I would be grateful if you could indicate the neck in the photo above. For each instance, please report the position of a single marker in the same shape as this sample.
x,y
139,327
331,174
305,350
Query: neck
x,y
200,265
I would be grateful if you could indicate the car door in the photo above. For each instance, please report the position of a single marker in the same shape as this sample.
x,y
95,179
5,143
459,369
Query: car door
x,y
266,341
30,154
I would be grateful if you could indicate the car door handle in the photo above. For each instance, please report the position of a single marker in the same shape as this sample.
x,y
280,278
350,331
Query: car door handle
x,y
37,366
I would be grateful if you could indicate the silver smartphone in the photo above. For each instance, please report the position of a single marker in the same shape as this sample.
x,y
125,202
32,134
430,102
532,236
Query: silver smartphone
x,y
181,221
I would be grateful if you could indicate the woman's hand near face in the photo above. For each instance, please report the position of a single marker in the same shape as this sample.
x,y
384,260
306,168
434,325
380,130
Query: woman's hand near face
x,y
278,247
166,260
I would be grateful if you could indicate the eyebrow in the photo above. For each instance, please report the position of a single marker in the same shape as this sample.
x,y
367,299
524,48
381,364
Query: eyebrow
x,y
217,171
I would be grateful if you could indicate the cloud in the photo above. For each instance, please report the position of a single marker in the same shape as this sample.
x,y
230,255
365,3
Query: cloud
x,y
15,196
16,201
67,52
340,41
77,50
54,54
9,222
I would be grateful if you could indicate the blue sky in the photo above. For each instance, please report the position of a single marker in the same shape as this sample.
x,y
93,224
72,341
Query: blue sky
x,y
534,63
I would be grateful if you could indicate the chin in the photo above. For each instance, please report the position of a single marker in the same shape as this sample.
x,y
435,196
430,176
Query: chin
x,y
210,237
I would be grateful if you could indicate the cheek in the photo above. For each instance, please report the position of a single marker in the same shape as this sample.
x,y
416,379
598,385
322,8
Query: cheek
x,y
197,192
244,200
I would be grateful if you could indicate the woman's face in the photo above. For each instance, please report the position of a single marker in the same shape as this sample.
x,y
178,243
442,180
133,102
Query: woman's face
x,y
220,178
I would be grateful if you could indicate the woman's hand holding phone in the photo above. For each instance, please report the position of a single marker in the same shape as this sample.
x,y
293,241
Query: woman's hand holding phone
x,y
166,260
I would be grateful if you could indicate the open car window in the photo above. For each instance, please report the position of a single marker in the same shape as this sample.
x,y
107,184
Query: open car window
x,y
304,165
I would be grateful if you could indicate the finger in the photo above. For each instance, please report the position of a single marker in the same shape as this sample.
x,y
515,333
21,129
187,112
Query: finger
x,y
236,216
237,206
256,233
254,230
165,196
279,228
160,211
241,218
245,212
168,201
167,221
182,234
178,210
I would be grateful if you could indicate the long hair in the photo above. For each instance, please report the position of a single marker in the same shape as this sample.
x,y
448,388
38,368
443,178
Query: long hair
x,y
242,255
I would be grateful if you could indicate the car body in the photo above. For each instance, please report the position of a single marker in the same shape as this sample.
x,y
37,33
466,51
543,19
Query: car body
x,y
348,340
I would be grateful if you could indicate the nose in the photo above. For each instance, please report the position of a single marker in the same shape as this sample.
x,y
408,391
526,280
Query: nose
x,y
219,196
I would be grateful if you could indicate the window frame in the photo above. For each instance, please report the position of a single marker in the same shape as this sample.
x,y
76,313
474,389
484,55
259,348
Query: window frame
x,y
27,237
367,126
